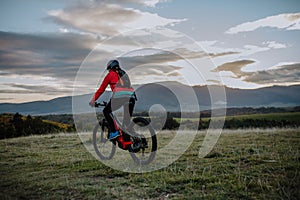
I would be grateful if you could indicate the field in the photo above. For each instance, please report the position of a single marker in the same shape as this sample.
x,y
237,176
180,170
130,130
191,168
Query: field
x,y
290,116
245,164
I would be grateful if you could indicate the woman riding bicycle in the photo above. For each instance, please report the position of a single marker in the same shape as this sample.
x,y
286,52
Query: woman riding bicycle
x,y
123,95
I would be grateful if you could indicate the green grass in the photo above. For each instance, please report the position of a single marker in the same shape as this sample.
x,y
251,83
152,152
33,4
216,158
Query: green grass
x,y
290,116
245,164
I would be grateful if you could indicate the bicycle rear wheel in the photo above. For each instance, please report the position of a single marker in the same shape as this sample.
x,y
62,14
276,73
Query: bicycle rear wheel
x,y
144,135
104,148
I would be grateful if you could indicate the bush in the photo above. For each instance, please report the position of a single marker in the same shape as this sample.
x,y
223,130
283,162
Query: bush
x,y
171,124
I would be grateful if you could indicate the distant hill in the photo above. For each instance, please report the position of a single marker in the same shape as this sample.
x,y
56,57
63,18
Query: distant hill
x,y
163,94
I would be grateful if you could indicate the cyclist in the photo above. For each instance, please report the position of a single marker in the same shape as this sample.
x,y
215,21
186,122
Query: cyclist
x,y
123,95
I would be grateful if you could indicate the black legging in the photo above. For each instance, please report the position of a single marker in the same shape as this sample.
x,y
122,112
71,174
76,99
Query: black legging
x,y
115,104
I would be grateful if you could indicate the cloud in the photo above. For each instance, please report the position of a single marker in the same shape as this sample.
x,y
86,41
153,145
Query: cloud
x,y
35,89
275,45
149,3
262,53
214,81
158,72
213,55
248,49
6,99
152,3
27,58
235,67
58,55
283,74
106,19
288,21
42,66
156,56
154,70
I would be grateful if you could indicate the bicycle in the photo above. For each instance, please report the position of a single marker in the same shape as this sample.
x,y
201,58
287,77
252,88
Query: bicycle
x,y
138,138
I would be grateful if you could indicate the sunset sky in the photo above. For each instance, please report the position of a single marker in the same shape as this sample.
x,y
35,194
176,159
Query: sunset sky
x,y
241,44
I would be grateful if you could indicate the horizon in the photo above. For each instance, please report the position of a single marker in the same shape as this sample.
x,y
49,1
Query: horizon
x,y
51,48
108,90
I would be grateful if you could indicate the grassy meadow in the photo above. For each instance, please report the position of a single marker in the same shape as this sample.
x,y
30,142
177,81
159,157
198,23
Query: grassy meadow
x,y
245,164
289,116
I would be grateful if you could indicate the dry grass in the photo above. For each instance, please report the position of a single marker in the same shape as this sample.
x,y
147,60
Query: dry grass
x,y
245,164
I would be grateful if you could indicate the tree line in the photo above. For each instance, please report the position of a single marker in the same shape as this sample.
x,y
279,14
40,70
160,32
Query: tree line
x,y
15,125
234,123
19,125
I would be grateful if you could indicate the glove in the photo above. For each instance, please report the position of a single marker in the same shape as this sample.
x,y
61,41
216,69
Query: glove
x,y
92,103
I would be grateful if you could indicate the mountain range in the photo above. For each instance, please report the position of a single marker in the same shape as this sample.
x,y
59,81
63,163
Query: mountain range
x,y
169,96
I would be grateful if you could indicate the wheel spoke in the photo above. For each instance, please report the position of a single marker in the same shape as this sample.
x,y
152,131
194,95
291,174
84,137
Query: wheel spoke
x,y
145,137
104,148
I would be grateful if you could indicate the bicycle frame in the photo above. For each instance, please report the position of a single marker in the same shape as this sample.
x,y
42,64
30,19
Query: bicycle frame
x,y
120,140
129,139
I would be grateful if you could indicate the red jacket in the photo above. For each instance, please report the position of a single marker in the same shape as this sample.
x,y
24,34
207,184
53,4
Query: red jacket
x,y
112,79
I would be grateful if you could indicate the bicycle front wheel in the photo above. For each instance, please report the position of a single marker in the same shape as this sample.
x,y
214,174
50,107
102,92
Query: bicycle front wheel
x,y
144,136
104,148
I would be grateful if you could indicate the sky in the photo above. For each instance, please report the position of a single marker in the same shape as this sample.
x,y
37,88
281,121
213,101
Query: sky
x,y
50,48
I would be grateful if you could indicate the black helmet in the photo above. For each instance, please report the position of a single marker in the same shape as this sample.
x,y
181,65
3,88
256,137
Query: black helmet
x,y
113,64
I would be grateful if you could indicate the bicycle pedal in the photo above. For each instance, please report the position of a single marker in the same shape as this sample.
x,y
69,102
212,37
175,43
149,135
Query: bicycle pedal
x,y
144,143
135,148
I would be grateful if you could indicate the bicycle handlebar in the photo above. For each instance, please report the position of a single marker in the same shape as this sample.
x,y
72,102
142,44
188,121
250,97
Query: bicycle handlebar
x,y
104,103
